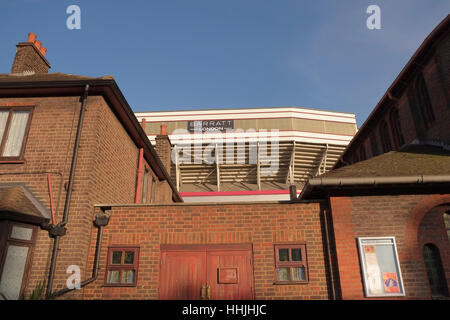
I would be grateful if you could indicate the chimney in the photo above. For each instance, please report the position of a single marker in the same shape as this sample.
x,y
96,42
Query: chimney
x,y
30,57
163,147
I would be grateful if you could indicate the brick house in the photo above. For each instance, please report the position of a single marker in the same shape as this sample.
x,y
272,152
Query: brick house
x,y
46,118
374,227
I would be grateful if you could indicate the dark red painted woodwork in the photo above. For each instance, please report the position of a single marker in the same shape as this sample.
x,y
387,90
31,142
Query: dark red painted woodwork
x,y
184,270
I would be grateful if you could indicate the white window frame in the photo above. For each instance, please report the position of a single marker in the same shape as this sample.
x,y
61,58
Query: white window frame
x,y
362,241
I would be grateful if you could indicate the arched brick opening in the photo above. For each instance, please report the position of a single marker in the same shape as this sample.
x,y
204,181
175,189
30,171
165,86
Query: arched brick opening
x,y
416,217
426,226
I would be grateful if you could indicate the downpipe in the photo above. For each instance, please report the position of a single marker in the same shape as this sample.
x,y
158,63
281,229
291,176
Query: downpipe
x,y
101,221
58,231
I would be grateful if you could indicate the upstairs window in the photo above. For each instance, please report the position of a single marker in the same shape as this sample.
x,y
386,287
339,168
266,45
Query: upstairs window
x,y
385,138
145,183
122,266
362,152
396,129
424,102
153,191
14,124
290,263
373,146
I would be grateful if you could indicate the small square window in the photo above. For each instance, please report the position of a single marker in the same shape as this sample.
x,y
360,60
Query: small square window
x,y
117,257
129,257
122,266
290,263
296,254
113,276
283,274
283,254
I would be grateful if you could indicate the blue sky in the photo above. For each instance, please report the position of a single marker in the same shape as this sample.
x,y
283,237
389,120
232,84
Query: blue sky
x,y
206,54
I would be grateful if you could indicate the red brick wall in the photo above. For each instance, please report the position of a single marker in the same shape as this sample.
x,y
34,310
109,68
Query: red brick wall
x,y
377,216
48,150
28,58
262,225
106,172
429,233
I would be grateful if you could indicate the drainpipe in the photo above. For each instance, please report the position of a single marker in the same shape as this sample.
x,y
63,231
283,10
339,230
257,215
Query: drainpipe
x,y
330,259
59,230
137,198
101,221
139,175
50,192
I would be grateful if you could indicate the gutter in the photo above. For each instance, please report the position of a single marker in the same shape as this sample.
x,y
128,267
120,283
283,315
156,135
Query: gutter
x,y
370,181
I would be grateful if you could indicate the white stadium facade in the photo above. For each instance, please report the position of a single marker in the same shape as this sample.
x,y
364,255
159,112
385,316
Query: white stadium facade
x,y
251,154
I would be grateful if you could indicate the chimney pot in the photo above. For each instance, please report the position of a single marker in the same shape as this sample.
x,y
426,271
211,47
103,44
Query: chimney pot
x,y
31,37
163,129
43,51
37,43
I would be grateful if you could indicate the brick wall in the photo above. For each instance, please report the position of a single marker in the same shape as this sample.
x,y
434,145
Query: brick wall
x,y
106,172
409,218
262,225
28,58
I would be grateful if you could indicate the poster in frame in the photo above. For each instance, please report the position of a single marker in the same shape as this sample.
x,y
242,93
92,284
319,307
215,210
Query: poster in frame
x,y
381,272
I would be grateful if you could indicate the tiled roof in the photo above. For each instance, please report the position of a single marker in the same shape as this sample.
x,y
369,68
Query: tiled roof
x,y
17,199
20,77
411,160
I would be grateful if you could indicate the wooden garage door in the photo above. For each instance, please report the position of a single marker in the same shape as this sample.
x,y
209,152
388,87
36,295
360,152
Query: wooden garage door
x,y
216,272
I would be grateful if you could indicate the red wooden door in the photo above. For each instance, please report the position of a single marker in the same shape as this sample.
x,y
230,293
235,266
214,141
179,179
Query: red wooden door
x,y
227,270
230,274
182,274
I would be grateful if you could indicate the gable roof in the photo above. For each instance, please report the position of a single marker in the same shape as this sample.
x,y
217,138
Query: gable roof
x,y
396,89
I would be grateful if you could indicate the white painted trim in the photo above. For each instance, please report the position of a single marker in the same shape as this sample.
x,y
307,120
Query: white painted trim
x,y
244,198
268,113
299,136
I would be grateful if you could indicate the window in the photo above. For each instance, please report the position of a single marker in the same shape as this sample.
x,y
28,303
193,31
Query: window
x,y
290,263
145,185
435,272
447,223
396,129
385,139
362,152
153,191
14,123
425,108
373,146
16,245
122,266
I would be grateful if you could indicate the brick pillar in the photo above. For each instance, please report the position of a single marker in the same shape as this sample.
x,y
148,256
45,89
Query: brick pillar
x,y
30,57
163,148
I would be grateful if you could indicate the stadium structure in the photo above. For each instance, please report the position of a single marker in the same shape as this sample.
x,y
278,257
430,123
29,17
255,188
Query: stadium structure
x,y
251,154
